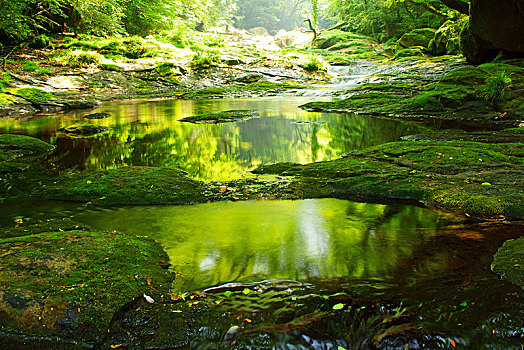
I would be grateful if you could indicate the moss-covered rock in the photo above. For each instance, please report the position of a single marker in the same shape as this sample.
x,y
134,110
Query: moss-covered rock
x,y
66,287
329,39
418,37
509,261
128,185
14,147
84,129
34,94
463,176
459,96
447,38
101,115
220,117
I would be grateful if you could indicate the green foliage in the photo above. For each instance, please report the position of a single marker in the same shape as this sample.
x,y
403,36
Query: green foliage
x,y
204,58
80,58
312,63
25,19
496,87
388,19
30,66
42,71
4,79
272,14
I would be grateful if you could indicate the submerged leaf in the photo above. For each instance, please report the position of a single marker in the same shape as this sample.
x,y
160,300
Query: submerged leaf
x,y
339,306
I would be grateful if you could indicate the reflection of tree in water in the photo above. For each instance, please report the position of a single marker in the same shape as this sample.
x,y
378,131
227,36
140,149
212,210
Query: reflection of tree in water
x,y
148,134
303,240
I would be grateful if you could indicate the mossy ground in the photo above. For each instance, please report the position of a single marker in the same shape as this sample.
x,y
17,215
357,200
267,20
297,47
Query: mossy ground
x,y
259,87
220,117
476,178
127,185
509,262
457,96
71,284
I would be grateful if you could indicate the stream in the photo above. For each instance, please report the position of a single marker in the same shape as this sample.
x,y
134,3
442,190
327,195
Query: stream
x,y
371,258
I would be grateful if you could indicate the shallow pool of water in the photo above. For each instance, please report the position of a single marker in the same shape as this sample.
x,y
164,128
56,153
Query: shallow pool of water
x,y
304,240
149,133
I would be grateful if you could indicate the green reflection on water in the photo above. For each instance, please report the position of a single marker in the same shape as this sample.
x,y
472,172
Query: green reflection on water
x,y
148,133
301,240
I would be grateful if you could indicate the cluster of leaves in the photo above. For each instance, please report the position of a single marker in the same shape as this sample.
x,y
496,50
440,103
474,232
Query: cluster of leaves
x,y
25,19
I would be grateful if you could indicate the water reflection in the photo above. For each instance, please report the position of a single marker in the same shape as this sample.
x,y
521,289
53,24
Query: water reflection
x,y
301,240
148,133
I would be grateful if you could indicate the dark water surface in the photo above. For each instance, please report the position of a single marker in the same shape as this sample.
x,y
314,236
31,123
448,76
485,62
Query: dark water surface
x,y
149,133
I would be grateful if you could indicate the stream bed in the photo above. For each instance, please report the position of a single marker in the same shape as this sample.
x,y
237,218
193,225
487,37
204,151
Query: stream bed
x,y
306,273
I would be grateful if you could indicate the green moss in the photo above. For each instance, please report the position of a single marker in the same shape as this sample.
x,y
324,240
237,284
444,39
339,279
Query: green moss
x,y
410,52
329,38
128,185
220,117
459,95
30,66
34,94
509,262
5,78
5,99
238,90
85,276
16,146
442,174
418,37
110,67
84,129
28,226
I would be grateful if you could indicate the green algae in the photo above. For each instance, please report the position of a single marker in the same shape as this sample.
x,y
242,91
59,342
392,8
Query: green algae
x,y
508,262
127,185
220,117
71,284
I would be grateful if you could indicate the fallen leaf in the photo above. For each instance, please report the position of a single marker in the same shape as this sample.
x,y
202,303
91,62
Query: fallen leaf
x,y
222,190
246,291
339,306
248,320
148,281
452,343
116,346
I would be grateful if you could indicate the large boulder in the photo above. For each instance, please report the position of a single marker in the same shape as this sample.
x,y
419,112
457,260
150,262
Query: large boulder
x,y
493,26
417,37
447,39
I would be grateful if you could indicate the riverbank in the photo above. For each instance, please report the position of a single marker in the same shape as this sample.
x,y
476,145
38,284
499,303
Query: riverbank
x,y
65,285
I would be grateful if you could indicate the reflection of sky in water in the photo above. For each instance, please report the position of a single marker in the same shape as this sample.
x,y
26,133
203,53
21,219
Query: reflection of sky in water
x,y
146,133
302,240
